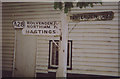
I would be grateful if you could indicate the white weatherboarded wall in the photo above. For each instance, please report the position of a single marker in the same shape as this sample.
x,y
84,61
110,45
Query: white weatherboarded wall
x,y
7,39
28,12
95,43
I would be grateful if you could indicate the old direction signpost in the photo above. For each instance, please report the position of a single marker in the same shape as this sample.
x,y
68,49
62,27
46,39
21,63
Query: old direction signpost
x,y
41,28
18,24
38,28
53,28
93,16
98,16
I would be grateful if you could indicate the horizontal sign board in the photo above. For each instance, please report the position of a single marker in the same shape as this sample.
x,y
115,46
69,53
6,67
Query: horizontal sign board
x,y
41,28
95,16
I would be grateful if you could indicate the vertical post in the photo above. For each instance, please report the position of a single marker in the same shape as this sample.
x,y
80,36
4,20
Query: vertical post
x,y
14,59
62,66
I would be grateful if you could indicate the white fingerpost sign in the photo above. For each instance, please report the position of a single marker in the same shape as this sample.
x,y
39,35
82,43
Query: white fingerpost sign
x,y
41,28
18,24
38,27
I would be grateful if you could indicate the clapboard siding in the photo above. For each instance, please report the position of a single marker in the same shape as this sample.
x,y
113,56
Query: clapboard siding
x,y
95,43
94,10
96,60
7,42
31,12
83,71
42,54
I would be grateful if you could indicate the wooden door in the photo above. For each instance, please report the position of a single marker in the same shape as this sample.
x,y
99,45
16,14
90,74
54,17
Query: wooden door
x,y
25,55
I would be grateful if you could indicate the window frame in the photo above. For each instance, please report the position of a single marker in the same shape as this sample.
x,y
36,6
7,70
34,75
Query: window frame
x,y
50,66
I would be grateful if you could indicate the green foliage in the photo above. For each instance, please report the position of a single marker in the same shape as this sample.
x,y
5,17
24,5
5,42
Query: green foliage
x,y
87,4
58,5
69,5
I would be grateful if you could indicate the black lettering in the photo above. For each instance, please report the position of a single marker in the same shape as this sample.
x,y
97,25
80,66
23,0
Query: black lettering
x,y
50,31
55,26
39,31
27,31
33,31
42,31
39,22
42,23
28,26
45,31
15,23
28,22
54,31
48,26
55,23
22,23
51,23
45,23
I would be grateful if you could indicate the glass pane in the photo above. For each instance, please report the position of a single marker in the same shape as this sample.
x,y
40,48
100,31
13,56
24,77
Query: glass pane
x,y
68,55
55,54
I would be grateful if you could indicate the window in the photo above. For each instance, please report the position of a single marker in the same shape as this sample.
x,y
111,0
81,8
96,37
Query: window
x,y
54,54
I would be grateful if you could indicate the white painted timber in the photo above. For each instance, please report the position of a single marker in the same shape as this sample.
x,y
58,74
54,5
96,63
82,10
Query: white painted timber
x,y
95,43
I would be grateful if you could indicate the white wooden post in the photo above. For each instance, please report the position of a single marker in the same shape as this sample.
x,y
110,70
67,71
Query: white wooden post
x,y
62,67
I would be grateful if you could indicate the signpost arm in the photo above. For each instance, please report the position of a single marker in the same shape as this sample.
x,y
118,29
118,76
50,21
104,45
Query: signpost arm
x,y
62,66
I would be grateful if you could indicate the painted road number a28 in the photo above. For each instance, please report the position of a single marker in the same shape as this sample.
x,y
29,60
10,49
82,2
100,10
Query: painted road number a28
x,y
18,24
